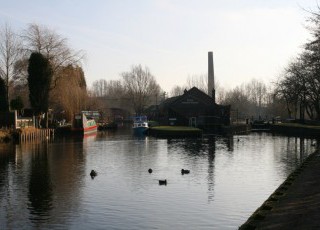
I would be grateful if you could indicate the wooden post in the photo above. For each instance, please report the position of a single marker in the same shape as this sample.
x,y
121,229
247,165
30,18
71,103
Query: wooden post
x,y
15,119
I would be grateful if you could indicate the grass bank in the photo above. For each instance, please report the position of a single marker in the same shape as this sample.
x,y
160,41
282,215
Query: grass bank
x,y
174,131
296,129
5,135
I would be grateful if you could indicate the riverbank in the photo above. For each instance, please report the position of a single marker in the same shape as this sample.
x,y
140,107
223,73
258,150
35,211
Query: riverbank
x,y
24,134
5,135
296,129
295,204
174,131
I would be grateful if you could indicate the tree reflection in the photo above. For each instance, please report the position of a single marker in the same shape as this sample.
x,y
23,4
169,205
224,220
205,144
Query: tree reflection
x,y
6,157
40,186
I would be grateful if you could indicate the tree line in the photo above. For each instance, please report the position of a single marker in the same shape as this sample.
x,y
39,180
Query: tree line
x,y
253,99
33,66
136,90
38,69
39,51
294,95
299,84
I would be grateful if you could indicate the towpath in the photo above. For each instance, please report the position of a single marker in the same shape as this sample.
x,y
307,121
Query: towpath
x,y
298,206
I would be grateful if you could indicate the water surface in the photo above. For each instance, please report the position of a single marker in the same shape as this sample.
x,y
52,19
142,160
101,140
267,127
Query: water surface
x,y
46,185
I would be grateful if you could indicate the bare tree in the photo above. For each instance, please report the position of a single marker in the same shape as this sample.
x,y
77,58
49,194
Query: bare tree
x,y
289,86
115,89
10,52
300,82
140,86
38,38
257,94
20,71
99,88
239,101
299,85
199,81
112,88
177,91
220,94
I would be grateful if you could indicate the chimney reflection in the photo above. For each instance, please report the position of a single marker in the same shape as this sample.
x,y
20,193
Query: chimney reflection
x,y
211,157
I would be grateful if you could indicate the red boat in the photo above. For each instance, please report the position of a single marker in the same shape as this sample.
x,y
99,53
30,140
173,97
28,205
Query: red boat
x,y
83,124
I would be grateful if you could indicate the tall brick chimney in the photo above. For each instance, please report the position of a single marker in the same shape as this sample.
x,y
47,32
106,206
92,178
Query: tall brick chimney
x,y
211,90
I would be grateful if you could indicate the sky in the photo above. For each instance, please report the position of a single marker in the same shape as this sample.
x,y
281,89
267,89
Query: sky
x,y
250,39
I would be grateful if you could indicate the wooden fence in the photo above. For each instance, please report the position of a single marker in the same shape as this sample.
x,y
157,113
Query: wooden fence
x,y
36,134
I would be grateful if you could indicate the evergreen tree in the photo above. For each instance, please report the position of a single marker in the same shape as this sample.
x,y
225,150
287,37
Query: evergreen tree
x,y
3,96
39,80
17,103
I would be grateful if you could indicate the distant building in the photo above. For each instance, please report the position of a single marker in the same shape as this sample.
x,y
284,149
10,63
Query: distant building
x,y
193,108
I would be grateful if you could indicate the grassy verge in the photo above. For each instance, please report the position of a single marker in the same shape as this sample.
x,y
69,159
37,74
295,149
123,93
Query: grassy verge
x,y
176,131
5,135
296,129
297,125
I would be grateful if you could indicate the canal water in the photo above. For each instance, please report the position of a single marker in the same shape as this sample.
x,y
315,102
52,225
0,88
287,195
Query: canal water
x,y
46,185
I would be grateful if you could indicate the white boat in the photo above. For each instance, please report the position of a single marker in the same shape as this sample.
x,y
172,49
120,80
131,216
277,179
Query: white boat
x,y
140,124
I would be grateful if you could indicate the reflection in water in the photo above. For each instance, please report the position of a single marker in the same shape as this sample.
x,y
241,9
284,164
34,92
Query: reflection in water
x,y
67,169
229,143
302,149
42,179
296,150
7,158
202,148
211,157
47,185
40,185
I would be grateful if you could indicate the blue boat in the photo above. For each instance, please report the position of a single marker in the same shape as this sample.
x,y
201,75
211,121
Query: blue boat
x,y
140,125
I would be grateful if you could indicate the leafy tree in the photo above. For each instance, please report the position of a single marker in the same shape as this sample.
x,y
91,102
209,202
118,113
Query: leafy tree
x,y
39,79
3,92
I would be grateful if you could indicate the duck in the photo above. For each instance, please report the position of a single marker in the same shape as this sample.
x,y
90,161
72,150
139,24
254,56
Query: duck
x,y
150,170
185,171
93,173
163,182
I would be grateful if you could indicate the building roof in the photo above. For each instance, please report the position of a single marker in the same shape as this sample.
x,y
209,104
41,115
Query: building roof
x,y
194,92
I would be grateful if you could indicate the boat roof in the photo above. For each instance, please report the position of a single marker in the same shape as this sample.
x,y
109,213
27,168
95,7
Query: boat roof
x,y
139,118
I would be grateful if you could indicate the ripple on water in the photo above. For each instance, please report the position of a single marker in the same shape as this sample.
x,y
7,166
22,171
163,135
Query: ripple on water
x,y
228,180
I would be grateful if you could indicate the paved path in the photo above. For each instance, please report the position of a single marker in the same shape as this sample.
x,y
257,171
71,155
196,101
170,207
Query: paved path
x,y
299,207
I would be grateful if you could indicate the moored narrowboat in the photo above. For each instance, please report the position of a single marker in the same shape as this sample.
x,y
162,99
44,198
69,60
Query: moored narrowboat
x,y
83,124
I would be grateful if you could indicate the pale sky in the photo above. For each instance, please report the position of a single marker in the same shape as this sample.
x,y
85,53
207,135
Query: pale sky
x,y
249,38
